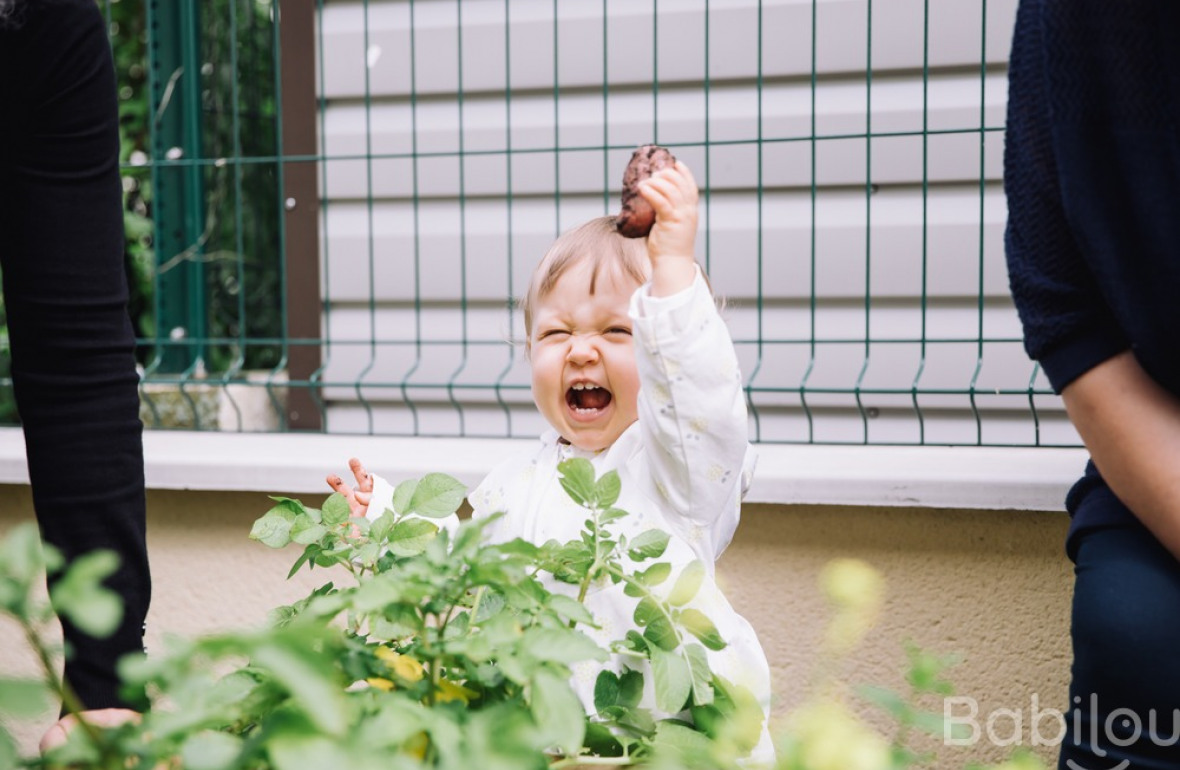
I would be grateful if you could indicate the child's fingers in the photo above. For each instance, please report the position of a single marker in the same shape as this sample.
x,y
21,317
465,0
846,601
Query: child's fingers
x,y
337,483
689,182
364,481
660,192
364,498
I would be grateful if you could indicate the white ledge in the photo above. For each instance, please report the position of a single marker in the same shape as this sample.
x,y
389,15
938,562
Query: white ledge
x,y
984,478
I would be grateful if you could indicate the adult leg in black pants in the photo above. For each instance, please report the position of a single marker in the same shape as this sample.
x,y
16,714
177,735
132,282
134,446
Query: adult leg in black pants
x,y
61,251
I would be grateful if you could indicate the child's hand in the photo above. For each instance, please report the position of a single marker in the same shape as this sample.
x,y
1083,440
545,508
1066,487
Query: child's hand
x,y
672,193
359,498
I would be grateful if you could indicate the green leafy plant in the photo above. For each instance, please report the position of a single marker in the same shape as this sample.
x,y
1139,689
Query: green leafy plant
x,y
428,648
433,648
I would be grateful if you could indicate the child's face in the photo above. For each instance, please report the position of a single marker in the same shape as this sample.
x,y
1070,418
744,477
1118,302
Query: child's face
x,y
584,378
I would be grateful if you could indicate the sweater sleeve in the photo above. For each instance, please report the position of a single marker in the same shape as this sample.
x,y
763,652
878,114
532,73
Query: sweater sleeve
x,y
1068,326
692,412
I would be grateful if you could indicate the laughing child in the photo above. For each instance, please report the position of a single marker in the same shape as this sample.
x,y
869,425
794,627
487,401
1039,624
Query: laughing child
x,y
634,370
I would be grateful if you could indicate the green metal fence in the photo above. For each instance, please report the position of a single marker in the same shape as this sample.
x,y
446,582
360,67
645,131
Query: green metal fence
x,y
329,216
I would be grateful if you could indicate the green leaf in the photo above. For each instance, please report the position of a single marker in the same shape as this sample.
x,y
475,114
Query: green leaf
x,y
634,641
688,584
606,690
308,752
561,645
336,510
887,700
655,574
611,514
287,504
308,554
673,680
210,750
23,698
648,545
699,625
557,712
601,742
635,720
402,494
437,496
8,754
80,596
577,479
274,527
702,675
570,609
382,527
396,622
630,688
306,676
367,554
606,490
682,741
21,555
925,670
411,536
931,724
657,628
304,531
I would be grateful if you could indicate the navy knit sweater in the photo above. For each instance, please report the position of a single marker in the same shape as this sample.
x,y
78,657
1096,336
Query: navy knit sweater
x,y
1092,175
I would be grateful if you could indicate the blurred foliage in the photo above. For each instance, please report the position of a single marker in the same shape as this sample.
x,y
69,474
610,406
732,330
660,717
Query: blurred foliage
x,y
432,648
239,247
241,244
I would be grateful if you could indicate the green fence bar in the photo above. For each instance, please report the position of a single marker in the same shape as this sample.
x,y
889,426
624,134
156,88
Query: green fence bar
x,y
180,213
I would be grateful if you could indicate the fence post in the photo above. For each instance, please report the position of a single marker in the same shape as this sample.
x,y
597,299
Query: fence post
x,y
178,187
301,209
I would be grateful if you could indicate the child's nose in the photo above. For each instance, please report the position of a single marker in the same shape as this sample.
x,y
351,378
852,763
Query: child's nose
x,y
582,350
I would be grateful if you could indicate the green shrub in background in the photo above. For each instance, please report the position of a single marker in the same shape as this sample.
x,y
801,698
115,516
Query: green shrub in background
x,y
438,650
241,244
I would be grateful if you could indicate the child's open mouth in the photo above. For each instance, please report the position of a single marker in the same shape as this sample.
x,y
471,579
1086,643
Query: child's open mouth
x,y
586,399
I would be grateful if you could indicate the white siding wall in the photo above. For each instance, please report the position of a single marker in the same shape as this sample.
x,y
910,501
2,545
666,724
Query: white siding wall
x,y
443,187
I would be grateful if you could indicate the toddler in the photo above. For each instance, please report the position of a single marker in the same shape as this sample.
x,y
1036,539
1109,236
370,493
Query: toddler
x,y
634,370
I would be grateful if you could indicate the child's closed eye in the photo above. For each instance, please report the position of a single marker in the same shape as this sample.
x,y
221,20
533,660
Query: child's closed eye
x,y
626,330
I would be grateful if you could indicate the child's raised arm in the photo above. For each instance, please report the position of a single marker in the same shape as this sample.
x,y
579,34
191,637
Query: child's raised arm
x,y
691,403
672,193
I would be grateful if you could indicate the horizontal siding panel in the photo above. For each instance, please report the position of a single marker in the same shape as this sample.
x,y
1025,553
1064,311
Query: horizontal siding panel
x,y
388,61
725,112
783,423
441,251
948,158
822,347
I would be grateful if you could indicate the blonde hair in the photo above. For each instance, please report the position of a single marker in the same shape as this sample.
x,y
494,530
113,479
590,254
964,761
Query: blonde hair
x,y
597,242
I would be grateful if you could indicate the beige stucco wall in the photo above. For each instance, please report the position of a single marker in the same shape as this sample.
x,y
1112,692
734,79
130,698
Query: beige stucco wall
x,y
992,586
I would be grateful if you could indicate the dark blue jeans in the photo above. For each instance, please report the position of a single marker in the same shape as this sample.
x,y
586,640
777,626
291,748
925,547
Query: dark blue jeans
x,y
65,290
1125,689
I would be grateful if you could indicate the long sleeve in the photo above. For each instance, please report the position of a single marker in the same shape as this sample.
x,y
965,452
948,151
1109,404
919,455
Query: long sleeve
x,y
692,412
1067,324
1092,180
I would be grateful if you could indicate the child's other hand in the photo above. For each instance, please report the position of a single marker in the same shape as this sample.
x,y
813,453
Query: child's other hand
x,y
672,193
360,497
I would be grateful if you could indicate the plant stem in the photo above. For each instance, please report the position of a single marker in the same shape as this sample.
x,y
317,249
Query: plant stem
x,y
69,699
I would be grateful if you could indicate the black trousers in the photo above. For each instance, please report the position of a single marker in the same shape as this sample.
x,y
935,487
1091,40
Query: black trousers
x,y
65,290
1125,688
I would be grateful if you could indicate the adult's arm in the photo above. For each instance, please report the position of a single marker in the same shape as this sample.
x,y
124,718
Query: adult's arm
x,y
1131,426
